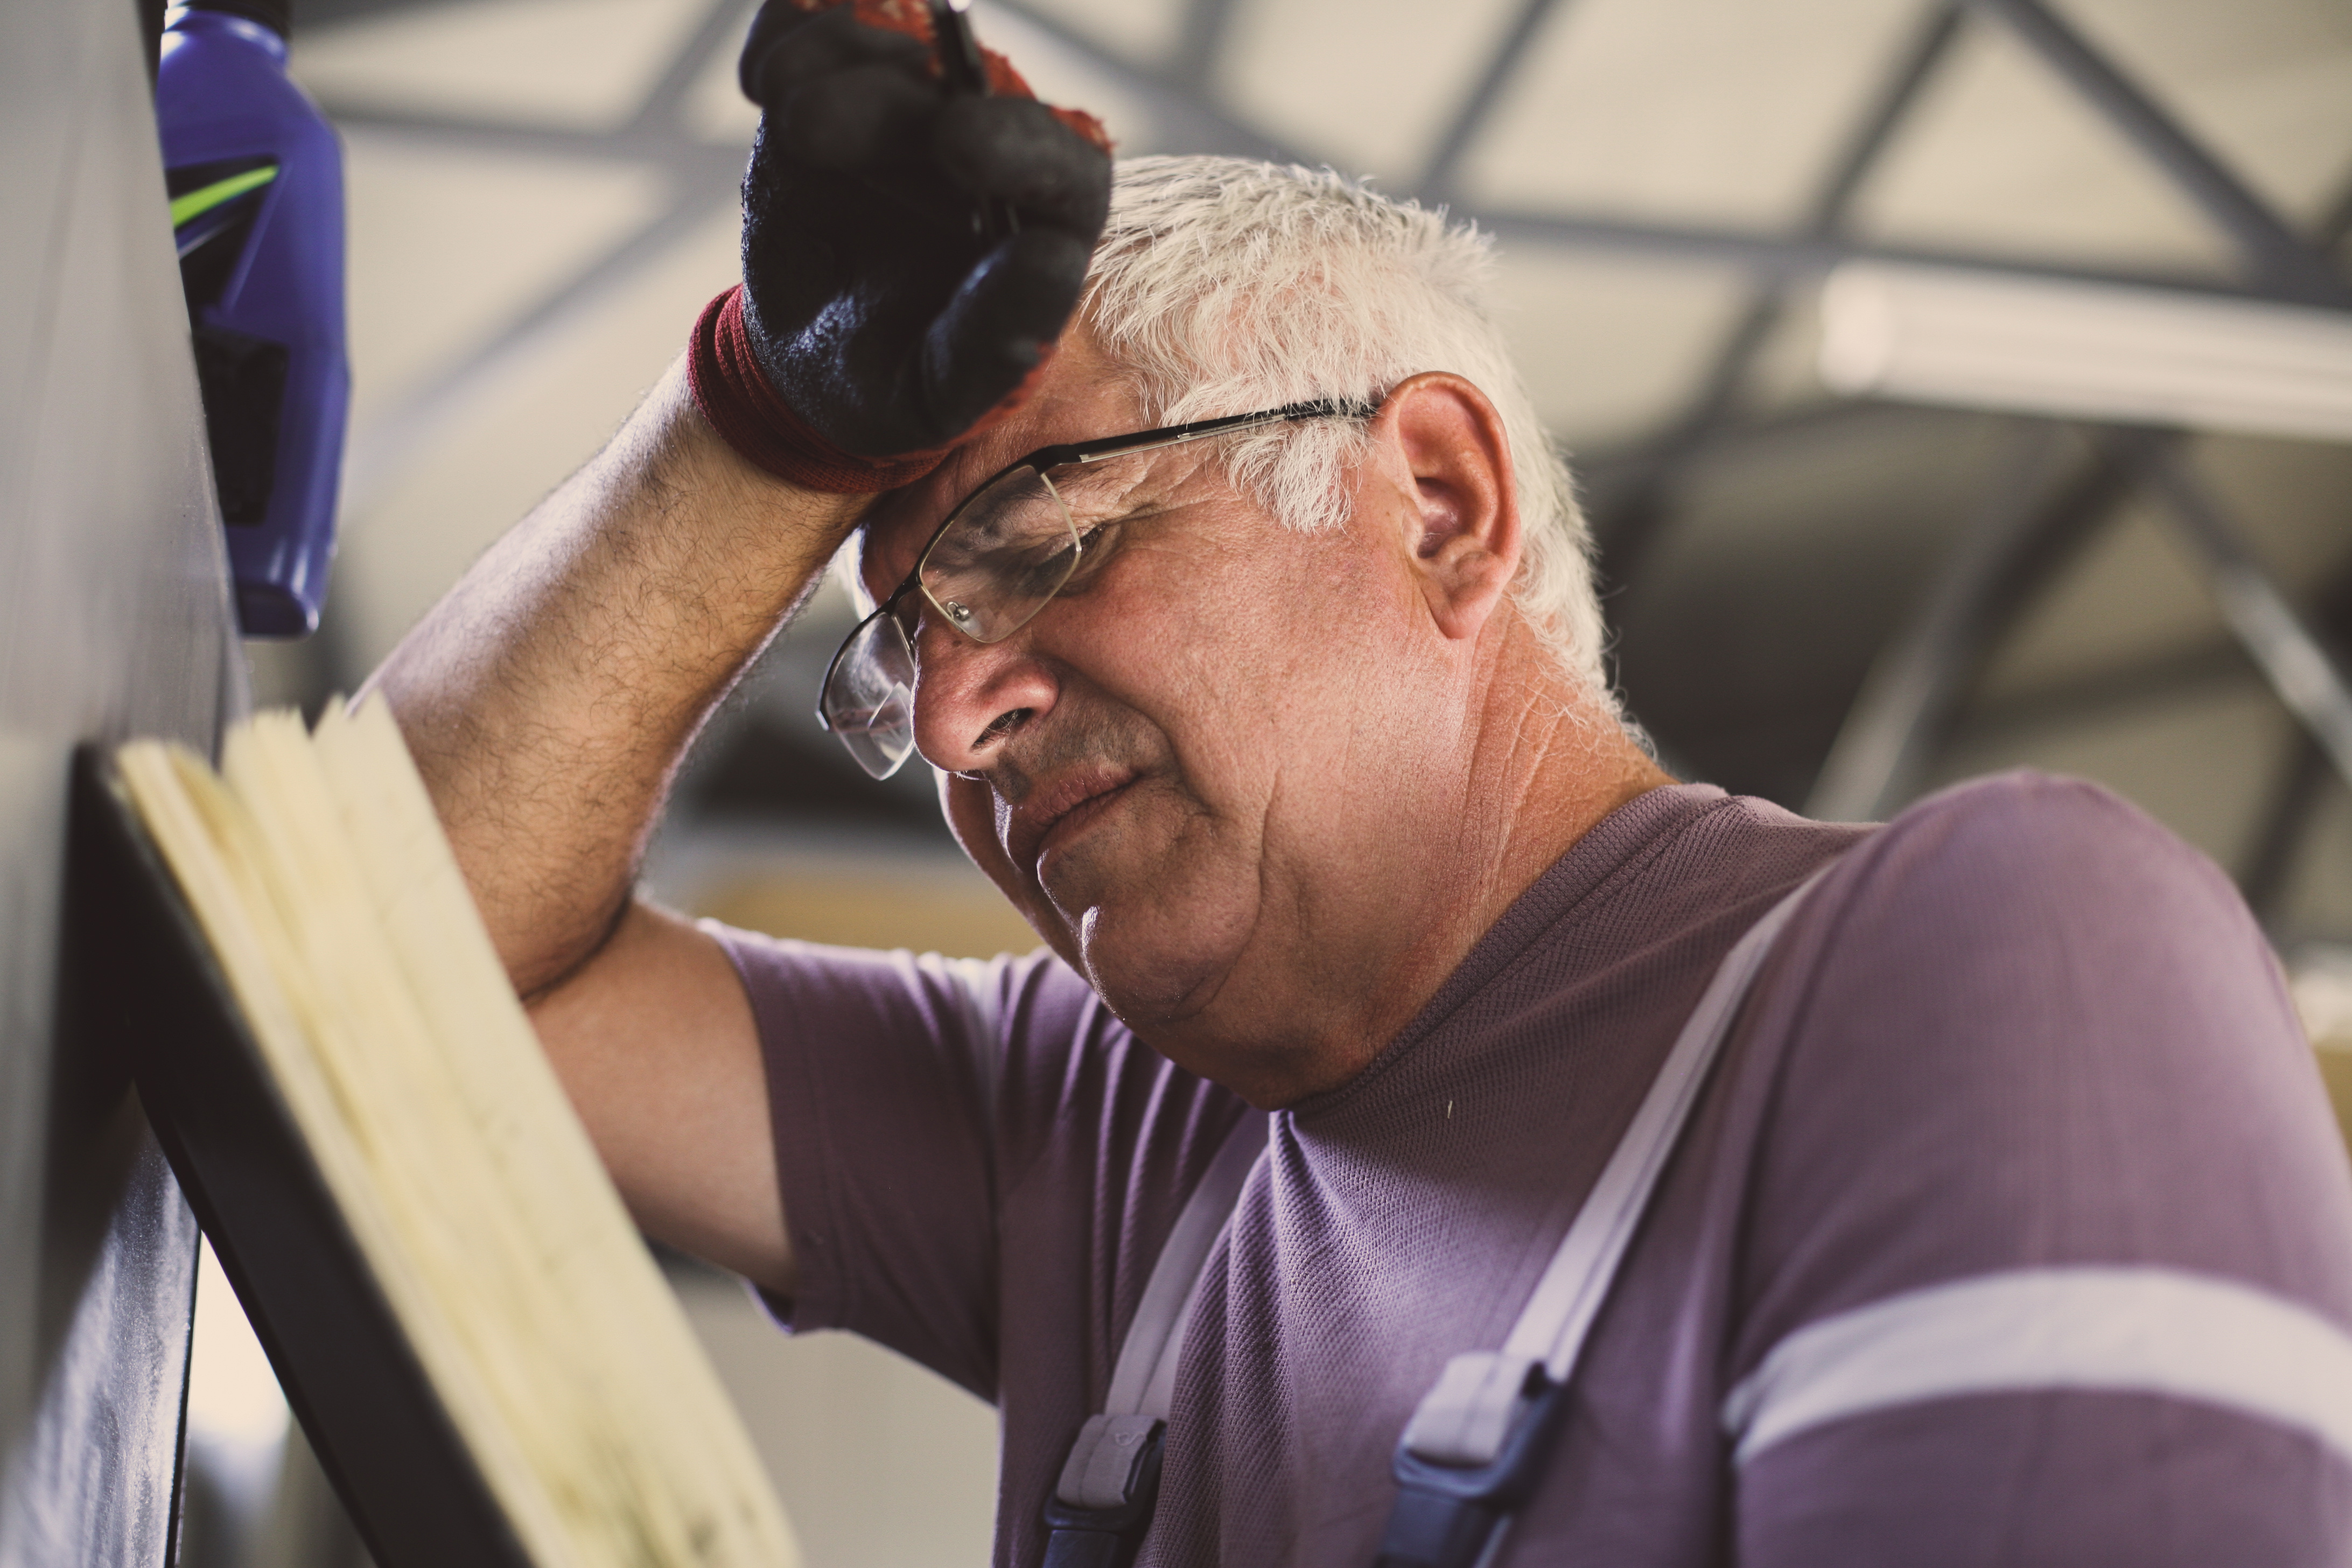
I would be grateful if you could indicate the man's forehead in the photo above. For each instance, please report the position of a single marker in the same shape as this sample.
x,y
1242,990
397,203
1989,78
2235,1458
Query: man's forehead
x,y
1081,396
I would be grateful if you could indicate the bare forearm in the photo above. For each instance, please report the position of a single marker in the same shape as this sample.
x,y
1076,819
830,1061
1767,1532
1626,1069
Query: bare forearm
x,y
549,697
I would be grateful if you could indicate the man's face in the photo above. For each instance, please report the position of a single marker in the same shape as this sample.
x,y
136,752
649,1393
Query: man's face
x,y
1182,771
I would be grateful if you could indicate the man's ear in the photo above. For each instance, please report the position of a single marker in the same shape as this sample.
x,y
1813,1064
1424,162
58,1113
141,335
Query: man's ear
x,y
1465,545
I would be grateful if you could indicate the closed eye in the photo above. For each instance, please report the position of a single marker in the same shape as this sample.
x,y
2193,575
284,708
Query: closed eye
x,y
1098,544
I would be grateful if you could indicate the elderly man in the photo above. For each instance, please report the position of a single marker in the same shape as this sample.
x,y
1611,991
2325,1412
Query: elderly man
x,y
2008,1226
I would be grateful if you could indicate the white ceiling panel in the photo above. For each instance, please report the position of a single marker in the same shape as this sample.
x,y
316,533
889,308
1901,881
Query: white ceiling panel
x,y
519,431
1139,29
1709,113
446,246
2266,86
581,65
1611,346
2001,154
1721,111
713,107
1367,84
1061,74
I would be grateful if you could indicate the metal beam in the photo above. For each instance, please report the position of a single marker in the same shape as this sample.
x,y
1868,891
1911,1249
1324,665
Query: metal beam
x,y
2208,670
1190,123
1188,120
1908,700
2298,667
718,31
686,159
1200,41
1915,688
1783,259
2336,226
2274,253
381,449
1928,48
1620,467
1627,531
2302,783
2029,525
2295,798
1478,103
1826,216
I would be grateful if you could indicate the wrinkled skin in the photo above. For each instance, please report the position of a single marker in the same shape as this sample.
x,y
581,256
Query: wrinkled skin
x,y
1340,759
1264,789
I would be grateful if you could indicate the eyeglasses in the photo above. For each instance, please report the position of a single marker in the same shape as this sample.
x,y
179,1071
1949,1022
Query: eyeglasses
x,y
996,560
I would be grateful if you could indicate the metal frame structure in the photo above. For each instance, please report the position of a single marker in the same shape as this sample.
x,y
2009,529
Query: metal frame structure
x,y
2049,506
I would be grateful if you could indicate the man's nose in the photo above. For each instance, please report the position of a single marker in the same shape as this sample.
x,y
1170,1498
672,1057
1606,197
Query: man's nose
x,y
970,698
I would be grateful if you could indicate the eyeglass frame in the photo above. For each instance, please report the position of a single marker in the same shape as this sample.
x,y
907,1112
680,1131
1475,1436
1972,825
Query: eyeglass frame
x,y
1064,456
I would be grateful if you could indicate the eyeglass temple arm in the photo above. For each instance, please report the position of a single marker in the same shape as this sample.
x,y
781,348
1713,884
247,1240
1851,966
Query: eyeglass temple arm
x,y
1177,435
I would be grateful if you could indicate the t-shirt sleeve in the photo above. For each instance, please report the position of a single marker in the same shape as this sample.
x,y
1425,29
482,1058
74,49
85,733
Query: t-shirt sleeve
x,y
2049,1240
885,1071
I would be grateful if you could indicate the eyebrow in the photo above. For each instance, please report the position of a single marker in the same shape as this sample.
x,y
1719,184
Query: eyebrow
x,y
1149,478
1090,484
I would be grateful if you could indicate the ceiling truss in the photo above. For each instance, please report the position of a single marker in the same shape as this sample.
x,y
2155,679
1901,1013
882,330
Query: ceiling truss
x,y
2031,526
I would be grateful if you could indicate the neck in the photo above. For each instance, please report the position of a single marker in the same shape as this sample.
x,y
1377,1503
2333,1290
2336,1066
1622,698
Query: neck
x,y
1542,764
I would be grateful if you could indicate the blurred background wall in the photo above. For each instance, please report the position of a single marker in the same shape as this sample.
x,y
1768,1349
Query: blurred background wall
x,y
1839,597
114,621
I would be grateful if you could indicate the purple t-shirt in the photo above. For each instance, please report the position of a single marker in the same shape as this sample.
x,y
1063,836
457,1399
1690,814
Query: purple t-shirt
x,y
2012,1227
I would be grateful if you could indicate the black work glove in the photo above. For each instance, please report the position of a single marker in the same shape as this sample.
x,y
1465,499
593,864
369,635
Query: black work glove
x,y
876,306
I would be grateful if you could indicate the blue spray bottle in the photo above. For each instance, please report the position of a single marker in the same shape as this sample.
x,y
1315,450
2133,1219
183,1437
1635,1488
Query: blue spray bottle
x,y
256,178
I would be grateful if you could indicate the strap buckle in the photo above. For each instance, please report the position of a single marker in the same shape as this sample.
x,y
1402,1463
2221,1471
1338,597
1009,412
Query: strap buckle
x,y
1468,1458
1109,1484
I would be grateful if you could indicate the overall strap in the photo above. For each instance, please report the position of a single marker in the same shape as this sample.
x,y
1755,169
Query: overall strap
x,y
1102,1504
1472,1453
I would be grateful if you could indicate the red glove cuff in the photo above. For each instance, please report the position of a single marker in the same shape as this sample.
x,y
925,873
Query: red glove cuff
x,y
734,394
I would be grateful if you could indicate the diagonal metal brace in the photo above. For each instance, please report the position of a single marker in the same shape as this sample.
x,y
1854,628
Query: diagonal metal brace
x,y
2286,264
2296,663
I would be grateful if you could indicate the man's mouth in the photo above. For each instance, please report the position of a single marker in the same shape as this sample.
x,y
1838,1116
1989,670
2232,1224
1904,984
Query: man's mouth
x,y
1054,816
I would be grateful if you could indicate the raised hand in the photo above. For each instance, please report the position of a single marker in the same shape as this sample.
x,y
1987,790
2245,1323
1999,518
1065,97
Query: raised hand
x,y
884,307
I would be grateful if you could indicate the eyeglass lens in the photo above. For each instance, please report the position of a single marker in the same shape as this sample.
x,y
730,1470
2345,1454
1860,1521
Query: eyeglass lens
x,y
869,699
1006,554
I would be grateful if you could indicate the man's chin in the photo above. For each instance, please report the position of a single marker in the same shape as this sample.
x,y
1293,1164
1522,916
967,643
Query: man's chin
x,y
1094,873
1155,967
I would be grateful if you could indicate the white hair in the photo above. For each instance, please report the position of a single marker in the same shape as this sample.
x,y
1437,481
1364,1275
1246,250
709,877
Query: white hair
x,y
1224,285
